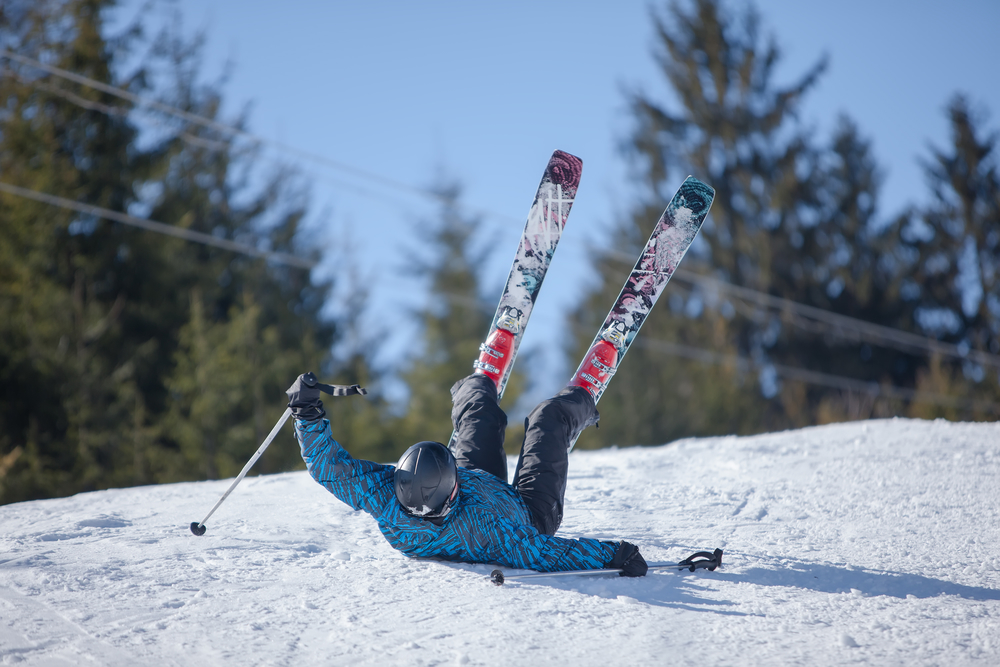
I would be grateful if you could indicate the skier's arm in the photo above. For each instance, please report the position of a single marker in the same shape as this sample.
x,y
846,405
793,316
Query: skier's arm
x,y
524,547
364,485
360,484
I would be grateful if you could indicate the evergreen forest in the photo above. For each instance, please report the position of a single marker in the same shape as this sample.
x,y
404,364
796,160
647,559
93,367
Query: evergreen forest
x,y
132,357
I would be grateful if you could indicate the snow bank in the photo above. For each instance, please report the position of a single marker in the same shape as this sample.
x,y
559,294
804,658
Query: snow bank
x,y
870,542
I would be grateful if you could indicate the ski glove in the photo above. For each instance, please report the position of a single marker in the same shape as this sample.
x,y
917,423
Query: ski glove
x,y
628,559
303,398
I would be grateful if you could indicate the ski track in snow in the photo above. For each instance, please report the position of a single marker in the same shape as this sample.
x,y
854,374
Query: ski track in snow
x,y
861,543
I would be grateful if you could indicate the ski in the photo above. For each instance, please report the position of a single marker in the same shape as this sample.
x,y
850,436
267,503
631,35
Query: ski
x,y
546,220
698,561
672,236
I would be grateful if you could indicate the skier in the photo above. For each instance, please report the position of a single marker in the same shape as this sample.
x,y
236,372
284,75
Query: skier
x,y
455,504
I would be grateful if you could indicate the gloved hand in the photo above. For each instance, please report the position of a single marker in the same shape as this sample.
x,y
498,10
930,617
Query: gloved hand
x,y
303,398
628,559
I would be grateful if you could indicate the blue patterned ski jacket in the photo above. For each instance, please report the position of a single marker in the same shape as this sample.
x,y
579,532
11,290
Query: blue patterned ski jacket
x,y
489,522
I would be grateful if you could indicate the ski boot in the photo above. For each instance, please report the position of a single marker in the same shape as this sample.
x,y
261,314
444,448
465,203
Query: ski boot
x,y
497,353
600,362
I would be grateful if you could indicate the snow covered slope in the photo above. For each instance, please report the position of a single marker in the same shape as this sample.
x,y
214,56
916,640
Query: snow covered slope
x,y
862,543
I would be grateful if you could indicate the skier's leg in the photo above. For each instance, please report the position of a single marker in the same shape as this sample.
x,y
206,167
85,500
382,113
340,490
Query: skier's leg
x,y
479,426
540,476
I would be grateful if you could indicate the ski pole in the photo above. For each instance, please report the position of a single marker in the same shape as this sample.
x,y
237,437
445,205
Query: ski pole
x,y
331,389
199,528
709,561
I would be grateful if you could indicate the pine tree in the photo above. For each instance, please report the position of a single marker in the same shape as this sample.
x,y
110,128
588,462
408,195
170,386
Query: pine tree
x,y
65,289
455,321
110,332
955,278
251,327
840,265
736,131
793,219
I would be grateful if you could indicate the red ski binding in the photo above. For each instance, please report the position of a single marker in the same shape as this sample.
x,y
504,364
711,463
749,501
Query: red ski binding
x,y
495,354
600,362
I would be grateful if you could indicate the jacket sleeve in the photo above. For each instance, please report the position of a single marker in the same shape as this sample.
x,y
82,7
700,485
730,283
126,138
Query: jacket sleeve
x,y
364,485
524,547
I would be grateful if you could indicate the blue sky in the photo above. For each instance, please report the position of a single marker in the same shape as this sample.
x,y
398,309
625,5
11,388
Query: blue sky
x,y
484,92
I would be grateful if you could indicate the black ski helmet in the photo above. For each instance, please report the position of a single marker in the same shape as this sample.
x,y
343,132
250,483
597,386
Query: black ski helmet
x,y
426,480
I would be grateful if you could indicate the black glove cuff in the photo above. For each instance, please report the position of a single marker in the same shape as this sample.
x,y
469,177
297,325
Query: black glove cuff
x,y
309,413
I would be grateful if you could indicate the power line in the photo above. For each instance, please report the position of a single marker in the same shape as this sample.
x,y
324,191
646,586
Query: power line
x,y
813,377
158,227
211,144
901,340
882,335
841,324
69,96
203,121
698,354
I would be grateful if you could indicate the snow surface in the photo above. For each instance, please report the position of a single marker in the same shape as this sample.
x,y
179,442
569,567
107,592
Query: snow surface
x,y
861,543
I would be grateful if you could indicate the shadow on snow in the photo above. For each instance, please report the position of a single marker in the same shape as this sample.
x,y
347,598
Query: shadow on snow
x,y
827,578
683,590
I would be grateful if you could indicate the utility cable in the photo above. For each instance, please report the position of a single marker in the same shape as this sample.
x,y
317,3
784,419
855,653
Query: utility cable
x,y
901,340
203,121
158,227
210,144
813,377
896,338
874,333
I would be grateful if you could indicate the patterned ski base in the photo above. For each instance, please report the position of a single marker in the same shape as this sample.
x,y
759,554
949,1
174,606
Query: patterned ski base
x,y
671,238
542,232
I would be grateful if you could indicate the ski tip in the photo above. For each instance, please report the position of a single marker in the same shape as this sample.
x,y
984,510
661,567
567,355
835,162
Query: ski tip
x,y
496,576
692,181
564,169
563,155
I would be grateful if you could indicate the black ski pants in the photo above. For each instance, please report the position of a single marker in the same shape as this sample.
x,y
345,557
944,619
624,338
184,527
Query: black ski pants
x,y
542,468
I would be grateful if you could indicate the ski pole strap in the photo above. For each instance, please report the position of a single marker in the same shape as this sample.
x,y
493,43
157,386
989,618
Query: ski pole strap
x,y
341,389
